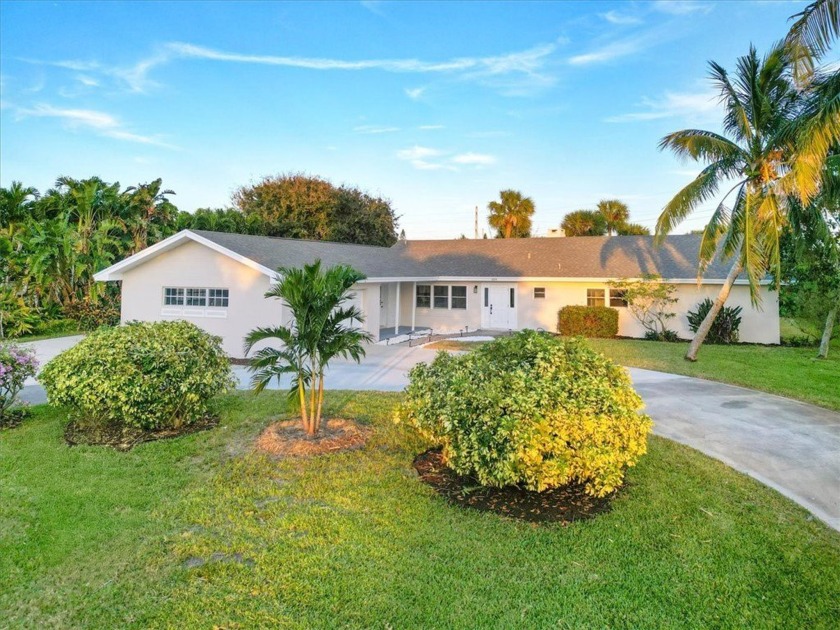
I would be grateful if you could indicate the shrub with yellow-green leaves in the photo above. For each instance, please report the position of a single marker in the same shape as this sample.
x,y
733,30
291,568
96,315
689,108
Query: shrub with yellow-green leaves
x,y
530,410
144,375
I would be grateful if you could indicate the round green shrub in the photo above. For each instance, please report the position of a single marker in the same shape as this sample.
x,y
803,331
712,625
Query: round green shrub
x,y
530,410
144,375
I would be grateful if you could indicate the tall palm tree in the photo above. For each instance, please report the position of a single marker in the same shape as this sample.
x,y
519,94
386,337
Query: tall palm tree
x,y
753,157
512,212
615,214
322,329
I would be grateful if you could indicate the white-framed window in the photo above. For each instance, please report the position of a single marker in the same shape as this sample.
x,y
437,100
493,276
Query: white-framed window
x,y
173,296
218,297
441,295
512,298
424,296
595,297
196,297
459,297
618,297
539,293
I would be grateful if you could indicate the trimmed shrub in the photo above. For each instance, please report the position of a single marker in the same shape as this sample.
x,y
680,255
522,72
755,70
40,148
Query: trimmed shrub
x,y
725,327
16,365
588,321
530,409
144,375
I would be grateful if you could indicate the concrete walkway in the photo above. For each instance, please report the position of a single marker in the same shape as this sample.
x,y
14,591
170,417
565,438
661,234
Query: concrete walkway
x,y
790,446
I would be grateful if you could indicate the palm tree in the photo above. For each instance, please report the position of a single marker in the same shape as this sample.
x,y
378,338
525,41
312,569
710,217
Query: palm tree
x,y
762,106
584,223
615,214
811,34
322,330
512,215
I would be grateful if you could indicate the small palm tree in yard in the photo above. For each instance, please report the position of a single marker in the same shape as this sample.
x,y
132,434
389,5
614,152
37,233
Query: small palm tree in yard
x,y
322,329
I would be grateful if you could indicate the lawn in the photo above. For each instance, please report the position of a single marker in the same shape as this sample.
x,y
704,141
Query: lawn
x,y
201,532
791,372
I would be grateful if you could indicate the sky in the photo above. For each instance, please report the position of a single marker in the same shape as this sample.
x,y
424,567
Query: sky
x,y
434,106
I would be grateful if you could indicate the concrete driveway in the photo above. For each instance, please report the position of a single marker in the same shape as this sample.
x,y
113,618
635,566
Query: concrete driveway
x,y
790,446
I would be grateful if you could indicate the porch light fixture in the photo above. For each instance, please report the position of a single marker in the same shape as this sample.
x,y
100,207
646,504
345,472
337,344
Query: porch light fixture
x,y
475,288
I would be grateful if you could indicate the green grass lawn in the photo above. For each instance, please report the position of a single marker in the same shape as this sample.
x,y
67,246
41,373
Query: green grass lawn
x,y
792,372
94,538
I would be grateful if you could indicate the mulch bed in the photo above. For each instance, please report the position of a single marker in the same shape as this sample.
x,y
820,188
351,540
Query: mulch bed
x,y
13,417
288,438
560,505
124,438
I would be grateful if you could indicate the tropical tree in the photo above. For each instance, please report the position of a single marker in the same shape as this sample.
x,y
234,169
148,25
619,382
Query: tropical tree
x,y
584,223
511,215
615,213
323,328
762,106
633,229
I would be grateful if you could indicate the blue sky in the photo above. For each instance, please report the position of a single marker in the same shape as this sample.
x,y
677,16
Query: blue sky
x,y
436,106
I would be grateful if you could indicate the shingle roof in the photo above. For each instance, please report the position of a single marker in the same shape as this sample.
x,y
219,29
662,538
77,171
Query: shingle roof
x,y
571,257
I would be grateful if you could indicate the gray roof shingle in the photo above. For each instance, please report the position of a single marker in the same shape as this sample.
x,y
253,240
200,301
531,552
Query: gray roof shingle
x,y
577,257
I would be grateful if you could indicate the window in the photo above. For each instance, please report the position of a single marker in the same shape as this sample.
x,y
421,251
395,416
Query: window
x,y
173,296
217,297
595,297
512,303
486,296
617,297
196,297
424,295
539,293
459,297
441,296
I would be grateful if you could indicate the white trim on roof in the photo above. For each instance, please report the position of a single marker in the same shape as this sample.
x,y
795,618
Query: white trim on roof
x,y
739,281
116,271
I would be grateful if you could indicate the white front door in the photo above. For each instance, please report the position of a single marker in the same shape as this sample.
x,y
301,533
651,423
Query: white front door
x,y
383,306
498,306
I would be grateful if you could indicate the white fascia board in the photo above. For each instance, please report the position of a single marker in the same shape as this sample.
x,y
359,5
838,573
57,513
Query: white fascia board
x,y
468,279
116,271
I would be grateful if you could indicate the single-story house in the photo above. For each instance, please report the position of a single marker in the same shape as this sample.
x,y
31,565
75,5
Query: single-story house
x,y
218,281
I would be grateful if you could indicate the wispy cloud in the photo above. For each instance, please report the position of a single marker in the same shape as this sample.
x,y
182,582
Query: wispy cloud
x,y
514,71
430,127
415,93
702,105
101,123
681,7
623,19
474,159
375,129
87,81
609,52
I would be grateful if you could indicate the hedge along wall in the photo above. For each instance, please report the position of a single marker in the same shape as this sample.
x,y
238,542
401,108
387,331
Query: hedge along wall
x,y
588,321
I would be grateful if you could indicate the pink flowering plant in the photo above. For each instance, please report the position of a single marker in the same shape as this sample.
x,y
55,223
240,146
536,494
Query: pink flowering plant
x,y
16,365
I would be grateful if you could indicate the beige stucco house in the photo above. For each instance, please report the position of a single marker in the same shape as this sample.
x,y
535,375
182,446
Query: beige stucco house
x,y
218,281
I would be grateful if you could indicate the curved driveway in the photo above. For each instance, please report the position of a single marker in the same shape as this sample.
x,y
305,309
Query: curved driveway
x,y
788,445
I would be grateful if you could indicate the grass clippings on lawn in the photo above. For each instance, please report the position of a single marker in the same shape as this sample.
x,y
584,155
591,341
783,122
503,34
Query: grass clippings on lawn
x,y
559,505
289,439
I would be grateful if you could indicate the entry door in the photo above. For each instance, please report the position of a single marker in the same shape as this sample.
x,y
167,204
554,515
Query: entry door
x,y
498,309
383,306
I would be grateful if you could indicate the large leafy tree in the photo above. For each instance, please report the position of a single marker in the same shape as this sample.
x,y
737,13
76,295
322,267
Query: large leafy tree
x,y
323,327
301,206
511,215
752,159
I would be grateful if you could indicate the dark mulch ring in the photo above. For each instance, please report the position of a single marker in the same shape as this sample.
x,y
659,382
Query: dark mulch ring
x,y
560,505
123,438
288,438
13,417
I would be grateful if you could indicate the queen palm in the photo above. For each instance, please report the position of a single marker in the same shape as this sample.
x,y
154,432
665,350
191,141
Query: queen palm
x,y
322,329
511,216
753,158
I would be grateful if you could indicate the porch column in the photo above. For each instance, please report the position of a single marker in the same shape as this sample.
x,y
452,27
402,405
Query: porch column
x,y
397,314
413,305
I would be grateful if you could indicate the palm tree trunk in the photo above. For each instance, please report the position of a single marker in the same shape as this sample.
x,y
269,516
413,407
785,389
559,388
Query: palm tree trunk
x,y
303,415
706,326
826,336
320,401
313,418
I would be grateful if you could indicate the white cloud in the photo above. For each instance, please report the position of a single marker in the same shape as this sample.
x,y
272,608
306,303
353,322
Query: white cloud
x,y
101,123
414,93
609,52
474,159
697,106
430,127
681,7
615,17
87,81
375,129
417,153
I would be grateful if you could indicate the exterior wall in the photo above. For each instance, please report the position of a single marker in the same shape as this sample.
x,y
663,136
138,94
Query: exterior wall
x,y
439,319
757,326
